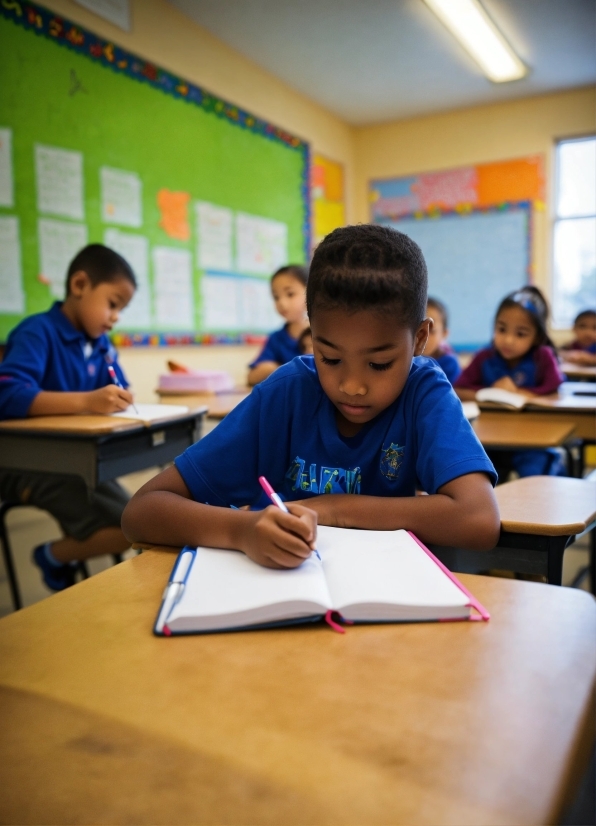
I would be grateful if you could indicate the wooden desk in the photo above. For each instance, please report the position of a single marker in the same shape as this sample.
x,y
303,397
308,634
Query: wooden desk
x,y
97,448
580,372
218,404
438,723
518,430
540,518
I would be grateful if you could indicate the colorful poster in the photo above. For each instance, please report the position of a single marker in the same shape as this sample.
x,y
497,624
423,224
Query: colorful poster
x,y
59,242
12,296
121,197
459,190
172,280
174,213
135,249
327,192
59,176
214,237
6,176
261,244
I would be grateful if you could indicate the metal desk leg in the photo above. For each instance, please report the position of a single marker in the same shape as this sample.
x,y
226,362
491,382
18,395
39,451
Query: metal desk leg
x,y
7,554
556,549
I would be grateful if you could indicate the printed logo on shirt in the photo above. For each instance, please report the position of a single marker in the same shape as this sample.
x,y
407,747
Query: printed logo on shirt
x,y
391,460
519,379
328,480
91,369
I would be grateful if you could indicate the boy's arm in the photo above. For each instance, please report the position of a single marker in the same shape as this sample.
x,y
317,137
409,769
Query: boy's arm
x,y
261,371
463,513
162,512
109,399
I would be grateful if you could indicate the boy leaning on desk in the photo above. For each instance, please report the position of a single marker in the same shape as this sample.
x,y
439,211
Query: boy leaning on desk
x,y
366,419
60,362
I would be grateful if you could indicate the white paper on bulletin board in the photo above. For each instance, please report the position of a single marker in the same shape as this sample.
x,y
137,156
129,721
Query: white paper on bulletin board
x,y
59,242
59,176
173,293
232,303
12,296
473,262
134,249
261,244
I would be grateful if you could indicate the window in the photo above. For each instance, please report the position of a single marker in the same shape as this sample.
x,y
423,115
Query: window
x,y
574,231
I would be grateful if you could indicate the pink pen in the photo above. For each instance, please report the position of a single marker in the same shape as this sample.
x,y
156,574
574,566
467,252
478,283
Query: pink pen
x,y
118,383
276,499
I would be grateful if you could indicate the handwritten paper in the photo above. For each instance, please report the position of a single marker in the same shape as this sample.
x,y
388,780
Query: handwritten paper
x,y
214,237
172,279
135,249
174,213
121,197
261,244
59,175
12,296
6,177
232,303
59,242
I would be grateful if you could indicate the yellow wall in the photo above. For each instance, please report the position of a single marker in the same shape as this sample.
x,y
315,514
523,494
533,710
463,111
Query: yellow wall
x,y
478,135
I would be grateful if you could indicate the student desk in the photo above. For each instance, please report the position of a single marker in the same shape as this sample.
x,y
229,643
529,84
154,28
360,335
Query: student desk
x,y
97,448
540,517
218,404
519,431
437,723
585,372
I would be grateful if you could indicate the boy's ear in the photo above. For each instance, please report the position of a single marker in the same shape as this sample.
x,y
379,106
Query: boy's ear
x,y
421,336
78,283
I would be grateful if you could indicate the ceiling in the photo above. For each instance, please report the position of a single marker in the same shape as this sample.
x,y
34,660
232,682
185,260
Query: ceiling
x,y
370,61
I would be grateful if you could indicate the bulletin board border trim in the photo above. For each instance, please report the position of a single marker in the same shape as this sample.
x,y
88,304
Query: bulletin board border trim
x,y
72,36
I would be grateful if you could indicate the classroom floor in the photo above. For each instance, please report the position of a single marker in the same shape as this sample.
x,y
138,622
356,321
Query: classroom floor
x,y
29,527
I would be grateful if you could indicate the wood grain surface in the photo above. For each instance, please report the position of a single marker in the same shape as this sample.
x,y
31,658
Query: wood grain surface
x,y
519,431
547,505
439,723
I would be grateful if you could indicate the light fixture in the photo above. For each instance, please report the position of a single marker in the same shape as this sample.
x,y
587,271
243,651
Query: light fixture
x,y
471,25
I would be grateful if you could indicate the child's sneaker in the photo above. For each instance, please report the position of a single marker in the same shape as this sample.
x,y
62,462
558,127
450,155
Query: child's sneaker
x,y
56,577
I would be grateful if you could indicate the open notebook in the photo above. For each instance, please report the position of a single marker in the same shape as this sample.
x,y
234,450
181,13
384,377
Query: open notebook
x,y
366,576
152,412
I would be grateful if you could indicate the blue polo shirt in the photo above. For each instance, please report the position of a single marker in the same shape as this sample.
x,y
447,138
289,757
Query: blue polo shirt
x,y
286,430
45,352
449,365
279,347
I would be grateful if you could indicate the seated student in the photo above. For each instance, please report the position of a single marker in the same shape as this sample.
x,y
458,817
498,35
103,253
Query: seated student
x,y
437,347
521,359
582,350
55,363
363,420
288,286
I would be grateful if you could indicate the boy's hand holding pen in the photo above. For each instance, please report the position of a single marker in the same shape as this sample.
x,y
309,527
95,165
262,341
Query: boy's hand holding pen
x,y
283,536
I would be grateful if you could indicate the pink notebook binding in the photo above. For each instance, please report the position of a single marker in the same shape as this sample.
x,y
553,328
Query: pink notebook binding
x,y
484,616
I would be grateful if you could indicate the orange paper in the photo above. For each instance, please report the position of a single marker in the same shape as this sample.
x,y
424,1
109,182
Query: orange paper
x,y
174,213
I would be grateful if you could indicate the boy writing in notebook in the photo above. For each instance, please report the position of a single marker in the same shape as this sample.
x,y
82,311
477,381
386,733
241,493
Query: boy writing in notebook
x,y
345,436
62,362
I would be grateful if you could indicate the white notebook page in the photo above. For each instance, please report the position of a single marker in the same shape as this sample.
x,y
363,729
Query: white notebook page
x,y
152,412
383,567
229,584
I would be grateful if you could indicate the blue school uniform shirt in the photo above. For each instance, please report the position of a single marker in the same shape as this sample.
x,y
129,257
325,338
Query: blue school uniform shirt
x,y
45,352
286,430
449,365
279,347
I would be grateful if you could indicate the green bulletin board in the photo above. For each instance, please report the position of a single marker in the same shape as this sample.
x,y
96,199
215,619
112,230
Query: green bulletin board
x,y
98,145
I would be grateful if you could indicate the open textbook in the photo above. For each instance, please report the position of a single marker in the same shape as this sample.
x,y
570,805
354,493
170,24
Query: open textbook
x,y
365,576
151,412
505,397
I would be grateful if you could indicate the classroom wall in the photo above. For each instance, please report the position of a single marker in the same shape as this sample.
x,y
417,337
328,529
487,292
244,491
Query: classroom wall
x,y
478,135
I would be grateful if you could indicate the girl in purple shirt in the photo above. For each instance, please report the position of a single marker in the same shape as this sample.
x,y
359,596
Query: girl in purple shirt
x,y
521,360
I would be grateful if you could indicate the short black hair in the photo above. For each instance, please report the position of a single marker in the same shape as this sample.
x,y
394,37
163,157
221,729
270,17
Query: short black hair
x,y
368,266
101,264
442,308
295,270
530,299
584,314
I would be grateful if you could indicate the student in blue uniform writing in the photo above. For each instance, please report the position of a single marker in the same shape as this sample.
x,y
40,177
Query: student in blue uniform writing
x,y
521,359
345,436
60,362
437,347
288,286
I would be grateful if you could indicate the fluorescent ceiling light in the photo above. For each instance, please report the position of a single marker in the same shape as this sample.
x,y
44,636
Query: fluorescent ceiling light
x,y
471,25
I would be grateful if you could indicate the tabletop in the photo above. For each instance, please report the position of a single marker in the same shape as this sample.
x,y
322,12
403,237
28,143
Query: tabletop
x,y
218,404
518,430
547,505
435,723
89,425
578,371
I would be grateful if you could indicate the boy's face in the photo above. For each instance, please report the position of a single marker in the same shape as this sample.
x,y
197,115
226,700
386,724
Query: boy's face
x,y
585,330
363,360
437,333
95,310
